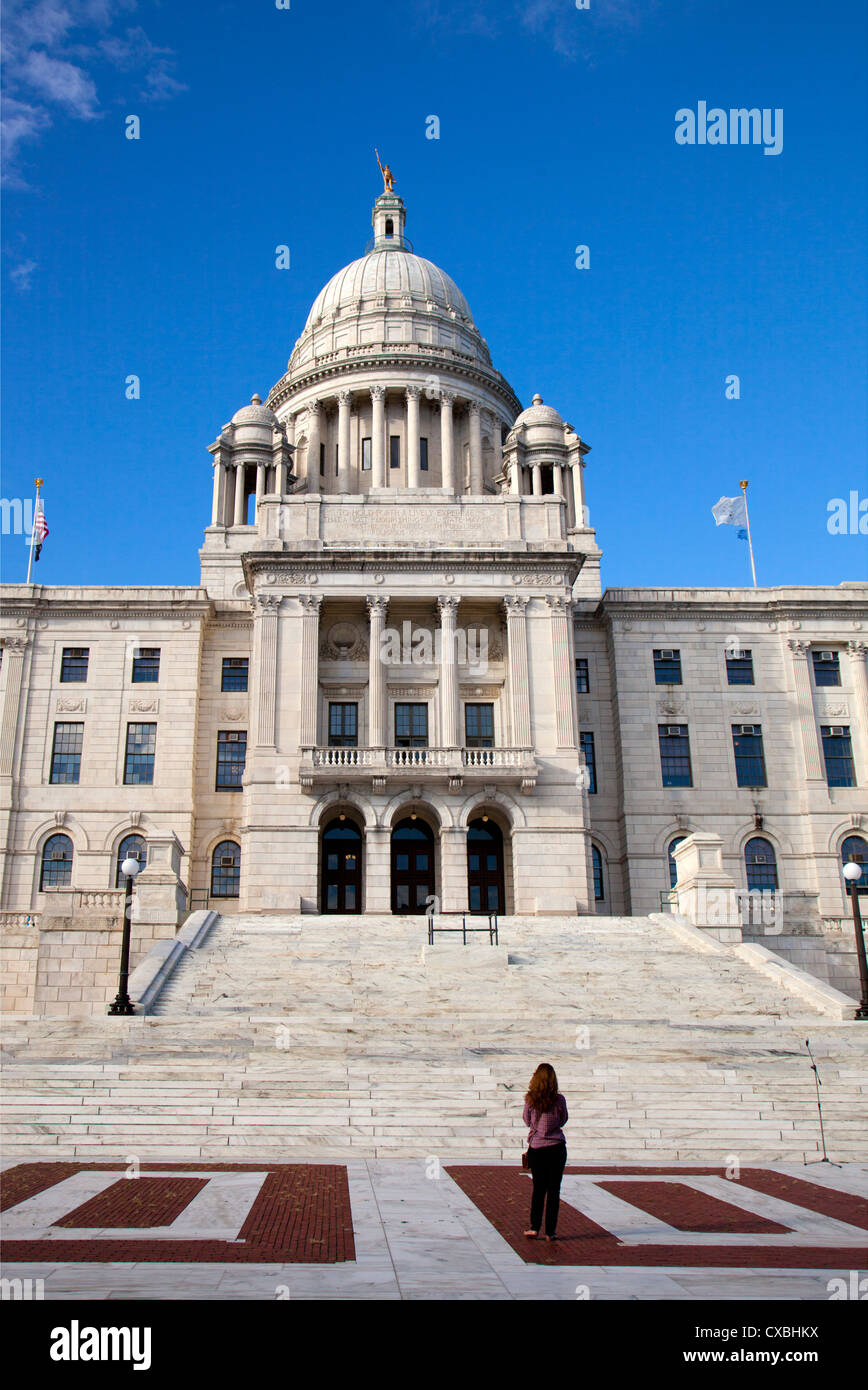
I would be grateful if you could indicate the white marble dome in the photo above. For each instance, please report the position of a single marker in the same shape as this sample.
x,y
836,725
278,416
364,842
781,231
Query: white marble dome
x,y
392,273
254,422
539,414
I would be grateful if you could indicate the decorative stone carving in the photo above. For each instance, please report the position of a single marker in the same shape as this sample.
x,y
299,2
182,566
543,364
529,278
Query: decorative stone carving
x,y
70,704
267,603
343,642
145,706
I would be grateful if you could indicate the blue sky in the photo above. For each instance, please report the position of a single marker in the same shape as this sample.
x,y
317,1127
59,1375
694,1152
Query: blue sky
x,y
156,257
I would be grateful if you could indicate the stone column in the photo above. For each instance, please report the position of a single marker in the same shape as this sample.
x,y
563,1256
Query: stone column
x,y
476,482
519,689
447,440
537,480
260,488
310,606
515,476
267,606
805,709
578,492
378,606
378,871
218,493
562,669
344,442
856,653
448,607
13,654
314,427
378,436
413,449
453,869
240,518
558,479
497,443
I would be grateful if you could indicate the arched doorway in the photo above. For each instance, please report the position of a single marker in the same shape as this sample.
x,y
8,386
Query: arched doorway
x,y
412,865
341,873
485,878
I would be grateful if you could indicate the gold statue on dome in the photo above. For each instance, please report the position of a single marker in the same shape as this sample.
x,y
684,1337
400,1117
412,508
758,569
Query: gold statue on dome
x,y
388,176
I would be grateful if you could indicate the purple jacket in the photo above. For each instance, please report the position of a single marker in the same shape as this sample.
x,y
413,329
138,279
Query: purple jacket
x,y
546,1124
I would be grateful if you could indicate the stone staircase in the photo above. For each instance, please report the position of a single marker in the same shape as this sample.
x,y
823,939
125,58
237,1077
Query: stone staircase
x,y
334,1037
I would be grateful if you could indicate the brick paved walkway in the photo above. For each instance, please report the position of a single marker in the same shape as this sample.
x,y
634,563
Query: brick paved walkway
x,y
377,1229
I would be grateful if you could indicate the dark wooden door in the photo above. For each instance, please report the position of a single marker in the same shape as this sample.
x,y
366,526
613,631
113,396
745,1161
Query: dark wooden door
x,y
412,866
485,881
341,879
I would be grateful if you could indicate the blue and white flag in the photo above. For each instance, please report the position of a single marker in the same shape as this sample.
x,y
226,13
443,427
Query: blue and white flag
x,y
730,511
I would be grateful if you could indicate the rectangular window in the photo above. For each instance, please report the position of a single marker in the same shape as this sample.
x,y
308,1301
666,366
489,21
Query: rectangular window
x,y
583,683
411,726
586,743
423,454
66,752
827,668
739,669
322,460
750,763
231,757
235,673
838,752
394,451
366,455
479,726
146,665
675,755
343,726
73,666
141,747
667,667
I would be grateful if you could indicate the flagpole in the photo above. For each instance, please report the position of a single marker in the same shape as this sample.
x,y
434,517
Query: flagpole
x,y
743,486
38,482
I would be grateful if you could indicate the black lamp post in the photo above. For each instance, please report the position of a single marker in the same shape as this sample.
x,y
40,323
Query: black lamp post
x,y
853,873
122,1003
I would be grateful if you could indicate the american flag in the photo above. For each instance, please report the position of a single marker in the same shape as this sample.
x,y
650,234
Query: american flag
x,y
40,527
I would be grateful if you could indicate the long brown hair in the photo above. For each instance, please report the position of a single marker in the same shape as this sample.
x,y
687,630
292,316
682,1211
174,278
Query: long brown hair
x,y
543,1089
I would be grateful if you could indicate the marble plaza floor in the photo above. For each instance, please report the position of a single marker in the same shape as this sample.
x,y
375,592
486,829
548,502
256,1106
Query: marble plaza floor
x,y
415,1229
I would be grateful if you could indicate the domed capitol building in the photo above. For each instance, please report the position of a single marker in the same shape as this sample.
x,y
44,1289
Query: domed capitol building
x,y
400,687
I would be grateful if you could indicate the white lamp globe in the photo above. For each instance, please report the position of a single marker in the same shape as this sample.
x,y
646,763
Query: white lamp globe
x,y
130,867
852,872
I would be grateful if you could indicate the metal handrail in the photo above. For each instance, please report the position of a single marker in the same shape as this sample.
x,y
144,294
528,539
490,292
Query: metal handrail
x,y
491,929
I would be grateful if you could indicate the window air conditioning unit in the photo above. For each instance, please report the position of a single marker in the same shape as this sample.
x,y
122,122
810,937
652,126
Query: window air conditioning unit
x,y
668,654
825,656
57,854
232,738
673,729
226,861
836,730
760,859
747,728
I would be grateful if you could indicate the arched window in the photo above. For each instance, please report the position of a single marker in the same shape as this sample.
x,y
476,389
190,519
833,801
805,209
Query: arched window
x,y
854,847
597,862
673,867
226,870
56,863
130,847
760,864
390,227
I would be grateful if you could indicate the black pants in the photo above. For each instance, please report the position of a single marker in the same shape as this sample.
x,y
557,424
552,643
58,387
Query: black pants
x,y
547,1169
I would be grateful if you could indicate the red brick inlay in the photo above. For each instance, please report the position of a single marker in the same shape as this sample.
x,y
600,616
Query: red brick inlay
x,y
301,1216
843,1206
688,1210
136,1202
502,1195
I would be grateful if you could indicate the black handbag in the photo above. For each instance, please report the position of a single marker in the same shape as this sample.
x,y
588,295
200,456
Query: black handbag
x,y
525,1158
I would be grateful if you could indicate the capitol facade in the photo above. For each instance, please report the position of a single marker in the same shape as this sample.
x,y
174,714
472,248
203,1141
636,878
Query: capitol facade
x,y
400,685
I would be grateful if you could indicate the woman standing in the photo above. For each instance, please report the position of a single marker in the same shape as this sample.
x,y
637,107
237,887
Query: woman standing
x,y
545,1110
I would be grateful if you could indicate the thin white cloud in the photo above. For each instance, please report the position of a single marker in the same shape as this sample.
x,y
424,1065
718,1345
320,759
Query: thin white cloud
x,y
20,275
54,54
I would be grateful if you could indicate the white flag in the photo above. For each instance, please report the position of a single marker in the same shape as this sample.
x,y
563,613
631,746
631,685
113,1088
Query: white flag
x,y
730,511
